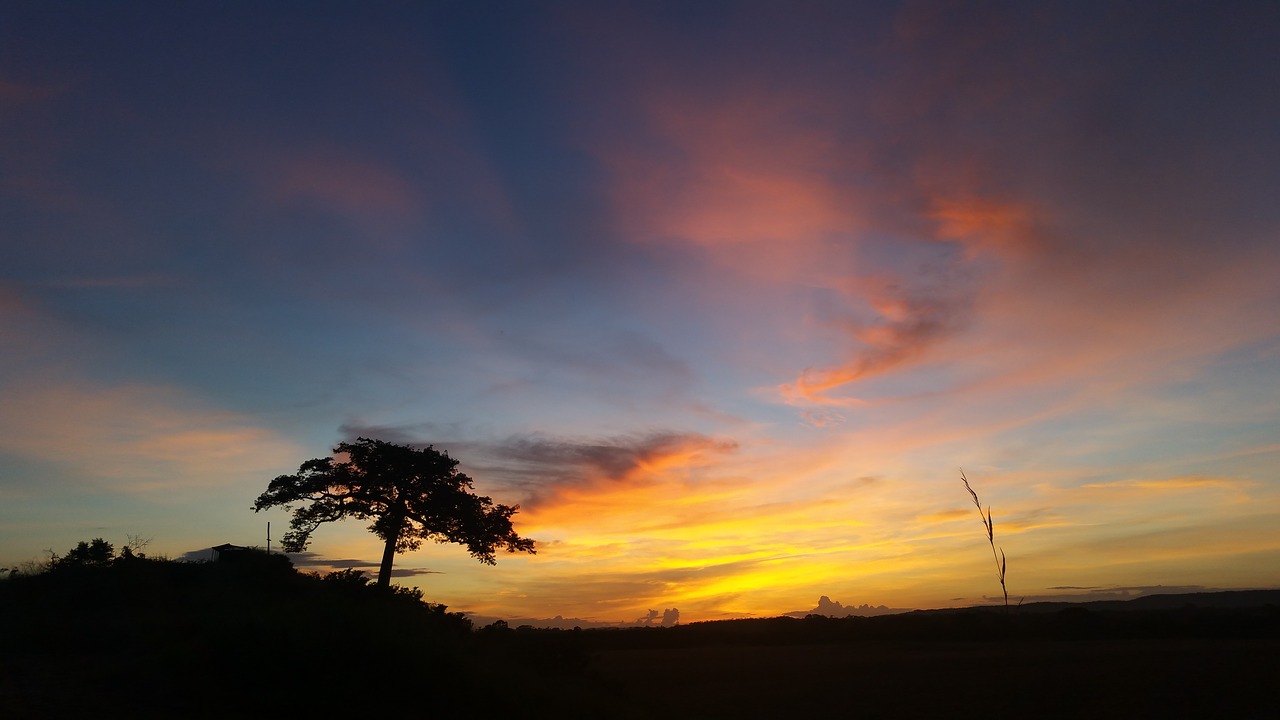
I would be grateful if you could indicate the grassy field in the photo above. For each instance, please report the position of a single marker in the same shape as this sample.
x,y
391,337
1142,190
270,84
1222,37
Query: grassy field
x,y
1208,678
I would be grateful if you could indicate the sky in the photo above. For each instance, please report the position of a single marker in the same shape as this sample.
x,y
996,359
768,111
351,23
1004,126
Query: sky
x,y
725,295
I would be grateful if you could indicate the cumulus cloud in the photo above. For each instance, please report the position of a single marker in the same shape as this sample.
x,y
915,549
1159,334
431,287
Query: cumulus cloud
x,y
832,608
666,618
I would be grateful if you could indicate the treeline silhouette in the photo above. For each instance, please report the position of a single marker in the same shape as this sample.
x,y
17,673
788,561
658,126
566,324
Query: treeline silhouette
x,y
96,634
92,635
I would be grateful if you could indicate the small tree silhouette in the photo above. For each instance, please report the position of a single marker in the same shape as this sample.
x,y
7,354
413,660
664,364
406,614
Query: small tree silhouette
x,y
97,552
409,494
991,538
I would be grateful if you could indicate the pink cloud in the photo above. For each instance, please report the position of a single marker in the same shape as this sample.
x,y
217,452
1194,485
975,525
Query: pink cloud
x,y
729,174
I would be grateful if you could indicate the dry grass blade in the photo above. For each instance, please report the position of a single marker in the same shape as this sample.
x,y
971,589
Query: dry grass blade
x,y
989,525
972,494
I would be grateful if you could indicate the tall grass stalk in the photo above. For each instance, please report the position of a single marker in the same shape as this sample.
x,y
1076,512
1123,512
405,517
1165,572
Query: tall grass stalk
x,y
991,538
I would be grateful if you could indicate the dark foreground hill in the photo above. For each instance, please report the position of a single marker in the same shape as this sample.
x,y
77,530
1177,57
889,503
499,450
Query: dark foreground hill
x,y
148,638
145,638
1210,655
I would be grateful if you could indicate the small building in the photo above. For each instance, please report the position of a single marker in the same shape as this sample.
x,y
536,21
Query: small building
x,y
227,552
251,560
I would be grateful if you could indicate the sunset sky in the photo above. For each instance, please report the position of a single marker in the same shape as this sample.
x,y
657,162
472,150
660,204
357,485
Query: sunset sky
x,y
724,295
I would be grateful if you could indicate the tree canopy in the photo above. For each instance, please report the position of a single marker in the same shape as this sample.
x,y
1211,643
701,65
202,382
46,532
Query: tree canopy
x,y
409,495
96,552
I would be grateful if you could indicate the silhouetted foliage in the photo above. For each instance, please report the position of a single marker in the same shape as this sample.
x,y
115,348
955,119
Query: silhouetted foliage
x,y
410,495
159,638
96,552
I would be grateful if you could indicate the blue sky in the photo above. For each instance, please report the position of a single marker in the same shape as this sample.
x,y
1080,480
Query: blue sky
x,y
724,297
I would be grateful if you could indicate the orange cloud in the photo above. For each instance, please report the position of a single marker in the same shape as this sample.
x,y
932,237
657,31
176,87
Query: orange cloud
x,y
1049,307
984,225
612,475
908,326
912,323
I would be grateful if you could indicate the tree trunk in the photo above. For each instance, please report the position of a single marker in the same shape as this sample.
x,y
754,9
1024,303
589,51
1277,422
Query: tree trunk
x,y
384,571
389,552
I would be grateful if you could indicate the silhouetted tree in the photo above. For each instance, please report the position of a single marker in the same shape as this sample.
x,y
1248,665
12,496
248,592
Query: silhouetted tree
x,y
132,550
411,495
95,552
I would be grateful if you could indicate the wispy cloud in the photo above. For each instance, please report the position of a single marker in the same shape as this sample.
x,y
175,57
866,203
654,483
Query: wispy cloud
x,y
134,438
1190,482
330,179
542,469
906,329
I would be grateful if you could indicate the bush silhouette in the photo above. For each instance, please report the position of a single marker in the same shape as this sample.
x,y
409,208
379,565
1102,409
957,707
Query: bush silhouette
x,y
214,639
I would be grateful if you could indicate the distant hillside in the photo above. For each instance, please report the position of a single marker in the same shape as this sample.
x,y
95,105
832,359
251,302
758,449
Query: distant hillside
x,y
1224,599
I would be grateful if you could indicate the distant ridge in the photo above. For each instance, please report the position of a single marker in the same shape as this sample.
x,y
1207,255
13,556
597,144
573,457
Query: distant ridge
x,y
1223,599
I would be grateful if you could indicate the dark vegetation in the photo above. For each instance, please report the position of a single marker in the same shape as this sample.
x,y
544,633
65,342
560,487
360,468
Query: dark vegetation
x,y
100,635
249,637
410,495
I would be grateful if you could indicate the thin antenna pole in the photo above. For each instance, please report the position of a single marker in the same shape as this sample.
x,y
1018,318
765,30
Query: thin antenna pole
x,y
268,537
